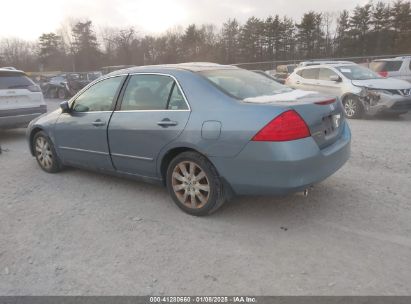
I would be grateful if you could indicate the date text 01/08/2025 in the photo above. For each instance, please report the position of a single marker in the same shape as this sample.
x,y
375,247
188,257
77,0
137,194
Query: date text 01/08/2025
x,y
202,299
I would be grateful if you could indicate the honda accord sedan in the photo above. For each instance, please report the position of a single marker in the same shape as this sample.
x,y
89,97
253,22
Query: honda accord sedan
x,y
205,131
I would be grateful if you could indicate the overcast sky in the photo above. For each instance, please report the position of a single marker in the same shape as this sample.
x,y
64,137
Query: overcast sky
x,y
27,19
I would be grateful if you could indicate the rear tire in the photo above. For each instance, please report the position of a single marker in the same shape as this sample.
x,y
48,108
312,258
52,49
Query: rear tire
x,y
194,184
353,107
45,153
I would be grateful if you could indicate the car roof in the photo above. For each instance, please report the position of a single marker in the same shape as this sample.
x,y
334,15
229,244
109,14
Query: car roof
x,y
188,66
392,59
11,71
325,65
322,62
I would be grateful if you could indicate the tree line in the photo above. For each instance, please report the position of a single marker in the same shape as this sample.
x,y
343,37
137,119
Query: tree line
x,y
372,29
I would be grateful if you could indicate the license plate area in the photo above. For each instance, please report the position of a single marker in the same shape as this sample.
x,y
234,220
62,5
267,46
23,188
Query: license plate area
x,y
331,125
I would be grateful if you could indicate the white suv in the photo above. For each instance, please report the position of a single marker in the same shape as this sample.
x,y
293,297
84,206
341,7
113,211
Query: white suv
x,y
398,67
21,100
361,90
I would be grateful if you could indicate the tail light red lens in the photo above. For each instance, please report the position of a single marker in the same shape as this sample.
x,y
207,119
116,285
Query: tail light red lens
x,y
285,127
383,73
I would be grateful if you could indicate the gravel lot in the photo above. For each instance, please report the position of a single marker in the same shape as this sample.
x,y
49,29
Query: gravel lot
x,y
81,233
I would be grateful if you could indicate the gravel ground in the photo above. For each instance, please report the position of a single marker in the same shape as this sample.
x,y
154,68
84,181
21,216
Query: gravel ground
x,y
81,233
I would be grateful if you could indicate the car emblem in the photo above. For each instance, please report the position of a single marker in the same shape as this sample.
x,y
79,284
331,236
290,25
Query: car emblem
x,y
332,107
336,119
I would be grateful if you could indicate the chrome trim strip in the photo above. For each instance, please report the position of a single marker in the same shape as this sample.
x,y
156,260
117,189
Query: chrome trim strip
x,y
131,156
83,150
130,111
91,112
73,99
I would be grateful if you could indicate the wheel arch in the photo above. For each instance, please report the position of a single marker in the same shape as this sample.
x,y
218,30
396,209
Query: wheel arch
x,y
345,95
31,137
168,157
173,152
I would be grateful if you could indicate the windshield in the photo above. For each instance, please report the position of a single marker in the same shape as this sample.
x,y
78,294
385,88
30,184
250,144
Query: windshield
x,y
357,72
244,84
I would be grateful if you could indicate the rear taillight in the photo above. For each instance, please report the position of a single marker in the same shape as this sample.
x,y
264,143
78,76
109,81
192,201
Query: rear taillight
x,y
325,102
383,73
285,127
34,88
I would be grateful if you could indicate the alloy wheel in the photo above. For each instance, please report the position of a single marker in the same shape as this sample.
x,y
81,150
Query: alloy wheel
x,y
350,107
190,184
43,152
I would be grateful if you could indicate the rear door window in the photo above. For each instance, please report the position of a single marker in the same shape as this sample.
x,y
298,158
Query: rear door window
x,y
310,73
325,74
147,92
386,66
14,81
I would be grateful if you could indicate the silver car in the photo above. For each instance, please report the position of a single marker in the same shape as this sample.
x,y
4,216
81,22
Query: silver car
x,y
206,131
21,100
362,91
398,67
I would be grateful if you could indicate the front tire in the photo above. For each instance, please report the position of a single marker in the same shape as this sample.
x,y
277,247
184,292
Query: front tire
x,y
194,184
45,153
353,107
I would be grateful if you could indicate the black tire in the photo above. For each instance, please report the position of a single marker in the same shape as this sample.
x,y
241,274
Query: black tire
x,y
46,155
353,107
61,93
205,202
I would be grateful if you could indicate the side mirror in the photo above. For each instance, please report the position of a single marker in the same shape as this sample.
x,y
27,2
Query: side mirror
x,y
335,78
65,107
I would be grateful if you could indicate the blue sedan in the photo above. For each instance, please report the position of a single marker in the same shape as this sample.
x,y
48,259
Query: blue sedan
x,y
205,131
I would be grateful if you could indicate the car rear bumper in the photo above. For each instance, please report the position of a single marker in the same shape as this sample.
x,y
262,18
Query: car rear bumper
x,y
268,168
12,118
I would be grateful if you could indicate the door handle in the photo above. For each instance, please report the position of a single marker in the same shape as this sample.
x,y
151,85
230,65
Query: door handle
x,y
167,123
297,82
99,123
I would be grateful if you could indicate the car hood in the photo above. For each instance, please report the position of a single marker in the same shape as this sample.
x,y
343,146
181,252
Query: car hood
x,y
383,83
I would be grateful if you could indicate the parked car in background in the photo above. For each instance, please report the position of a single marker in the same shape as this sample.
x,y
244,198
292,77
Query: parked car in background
x,y
398,67
21,99
204,130
283,71
361,90
317,62
67,85
266,74
112,68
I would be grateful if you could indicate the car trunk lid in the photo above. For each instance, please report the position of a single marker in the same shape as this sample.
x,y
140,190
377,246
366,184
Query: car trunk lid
x,y
323,114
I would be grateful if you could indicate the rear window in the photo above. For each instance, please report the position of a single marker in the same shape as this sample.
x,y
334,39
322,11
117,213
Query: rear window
x,y
243,84
385,66
14,81
325,74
